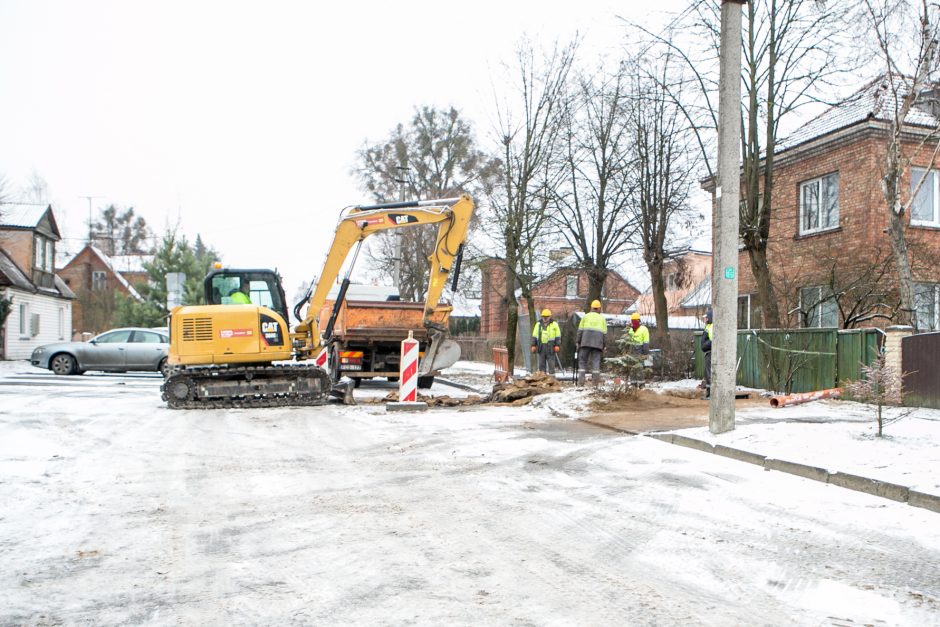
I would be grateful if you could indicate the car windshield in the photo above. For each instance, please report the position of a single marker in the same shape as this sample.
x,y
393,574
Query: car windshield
x,y
113,337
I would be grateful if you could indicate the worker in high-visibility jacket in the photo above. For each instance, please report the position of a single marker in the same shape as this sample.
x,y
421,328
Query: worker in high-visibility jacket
x,y
546,341
592,340
638,336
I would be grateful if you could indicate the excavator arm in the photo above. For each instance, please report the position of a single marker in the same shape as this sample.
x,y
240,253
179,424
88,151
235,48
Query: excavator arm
x,y
359,222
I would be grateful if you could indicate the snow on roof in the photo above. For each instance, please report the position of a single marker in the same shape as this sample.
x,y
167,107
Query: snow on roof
x,y
359,291
21,216
701,296
107,261
875,100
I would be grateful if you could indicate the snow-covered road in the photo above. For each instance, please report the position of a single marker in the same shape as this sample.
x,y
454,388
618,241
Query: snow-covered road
x,y
115,510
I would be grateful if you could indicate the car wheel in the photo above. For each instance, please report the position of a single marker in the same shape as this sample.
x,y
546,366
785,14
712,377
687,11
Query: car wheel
x,y
425,382
63,364
164,368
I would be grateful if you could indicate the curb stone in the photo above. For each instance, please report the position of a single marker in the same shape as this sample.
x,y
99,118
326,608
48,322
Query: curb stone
x,y
881,489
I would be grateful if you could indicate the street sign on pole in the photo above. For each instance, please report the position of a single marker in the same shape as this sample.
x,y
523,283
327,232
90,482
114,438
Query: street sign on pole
x,y
174,289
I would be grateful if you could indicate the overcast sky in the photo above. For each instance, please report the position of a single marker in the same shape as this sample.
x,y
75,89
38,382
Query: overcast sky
x,y
241,120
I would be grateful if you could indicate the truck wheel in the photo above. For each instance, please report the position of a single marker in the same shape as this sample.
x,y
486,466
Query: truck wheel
x,y
357,382
392,379
425,383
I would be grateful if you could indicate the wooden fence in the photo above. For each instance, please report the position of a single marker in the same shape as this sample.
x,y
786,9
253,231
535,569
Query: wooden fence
x,y
800,360
920,360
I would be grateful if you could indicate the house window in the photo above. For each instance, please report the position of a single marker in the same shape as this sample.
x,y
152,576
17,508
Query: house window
x,y
671,281
927,306
24,319
819,204
43,254
744,311
818,307
571,286
926,210
99,280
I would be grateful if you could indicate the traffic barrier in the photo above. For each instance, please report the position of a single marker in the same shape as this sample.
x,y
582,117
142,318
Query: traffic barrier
x,y
501,363
408,381
805,397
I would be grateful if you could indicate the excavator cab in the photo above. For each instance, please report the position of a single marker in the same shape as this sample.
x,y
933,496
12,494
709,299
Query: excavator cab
x,y
265,288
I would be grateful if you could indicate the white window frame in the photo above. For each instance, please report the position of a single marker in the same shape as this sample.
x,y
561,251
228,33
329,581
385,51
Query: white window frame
x,y
817,183
61,323
747,299
569,293
104,280
24,320
934,188
928,325
816,322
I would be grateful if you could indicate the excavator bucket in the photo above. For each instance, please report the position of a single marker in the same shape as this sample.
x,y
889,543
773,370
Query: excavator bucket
x,y
442,353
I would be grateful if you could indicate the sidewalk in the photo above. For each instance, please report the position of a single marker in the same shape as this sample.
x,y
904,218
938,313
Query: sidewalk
x,y
830,441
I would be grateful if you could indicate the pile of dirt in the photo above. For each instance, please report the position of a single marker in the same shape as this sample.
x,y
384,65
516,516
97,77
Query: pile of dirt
x,y
522,390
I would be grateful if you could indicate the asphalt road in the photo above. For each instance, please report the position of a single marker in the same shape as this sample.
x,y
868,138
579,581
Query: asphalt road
x,y
115,510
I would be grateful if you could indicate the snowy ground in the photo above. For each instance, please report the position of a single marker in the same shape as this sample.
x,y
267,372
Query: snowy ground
x,y
115,510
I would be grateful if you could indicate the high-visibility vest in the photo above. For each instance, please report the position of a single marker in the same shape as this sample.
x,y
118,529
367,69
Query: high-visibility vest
x,y
546,334
640,336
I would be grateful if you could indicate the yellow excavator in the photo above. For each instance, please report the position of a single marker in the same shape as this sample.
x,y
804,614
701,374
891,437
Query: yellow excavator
x,y
223,354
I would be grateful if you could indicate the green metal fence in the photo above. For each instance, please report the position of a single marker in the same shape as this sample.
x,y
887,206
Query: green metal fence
x,y
800,360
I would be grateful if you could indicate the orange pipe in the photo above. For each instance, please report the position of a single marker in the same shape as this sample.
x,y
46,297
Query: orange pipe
x,y
805,397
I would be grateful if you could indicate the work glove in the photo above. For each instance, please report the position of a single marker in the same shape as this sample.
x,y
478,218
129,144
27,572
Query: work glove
x,y
533,349
557,348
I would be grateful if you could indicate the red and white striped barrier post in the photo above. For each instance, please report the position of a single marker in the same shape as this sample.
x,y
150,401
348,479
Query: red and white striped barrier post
x,y
408,381
408,378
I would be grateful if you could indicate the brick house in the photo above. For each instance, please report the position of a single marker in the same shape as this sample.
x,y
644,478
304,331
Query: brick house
x,y
563,291
96,277
828,251
41,307
683,275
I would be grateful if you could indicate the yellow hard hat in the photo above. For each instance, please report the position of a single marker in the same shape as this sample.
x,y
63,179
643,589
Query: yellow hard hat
x,y
595,304
635,316
546,313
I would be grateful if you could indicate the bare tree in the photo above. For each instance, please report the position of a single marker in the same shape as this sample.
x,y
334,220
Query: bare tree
x,y
793,53
595,194
663,165
896,25
529,128
434,156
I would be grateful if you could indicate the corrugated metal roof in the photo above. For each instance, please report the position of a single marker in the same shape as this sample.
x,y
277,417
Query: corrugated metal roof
x,y
21,216
876,100
701,296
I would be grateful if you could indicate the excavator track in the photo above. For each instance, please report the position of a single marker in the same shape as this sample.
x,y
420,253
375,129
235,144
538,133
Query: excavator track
x,y
223,387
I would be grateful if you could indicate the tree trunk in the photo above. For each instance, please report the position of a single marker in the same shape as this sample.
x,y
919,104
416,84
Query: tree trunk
x,y
902,262
512,307
596,278
660,306
769,312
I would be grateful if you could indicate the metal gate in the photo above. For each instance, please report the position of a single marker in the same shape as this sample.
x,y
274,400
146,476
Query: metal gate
x,y
920,361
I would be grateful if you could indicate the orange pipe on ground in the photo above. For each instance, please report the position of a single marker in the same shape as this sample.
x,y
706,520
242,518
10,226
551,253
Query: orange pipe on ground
x,y
805,397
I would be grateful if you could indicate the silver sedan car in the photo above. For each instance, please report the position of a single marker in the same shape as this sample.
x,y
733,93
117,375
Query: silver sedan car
x,y
118,350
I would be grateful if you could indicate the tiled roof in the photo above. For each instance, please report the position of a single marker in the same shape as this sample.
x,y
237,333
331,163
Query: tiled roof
x,y
25,216
876,100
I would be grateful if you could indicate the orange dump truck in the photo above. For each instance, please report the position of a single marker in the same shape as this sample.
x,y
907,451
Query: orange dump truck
x,y
369,329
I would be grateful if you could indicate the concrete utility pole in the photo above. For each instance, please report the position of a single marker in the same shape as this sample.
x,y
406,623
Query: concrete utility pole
x,y
725,235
